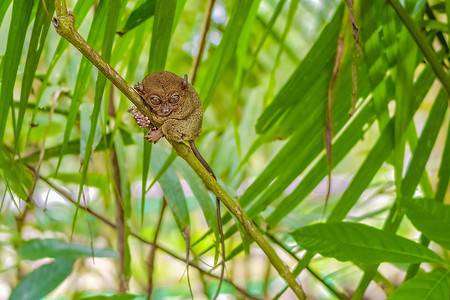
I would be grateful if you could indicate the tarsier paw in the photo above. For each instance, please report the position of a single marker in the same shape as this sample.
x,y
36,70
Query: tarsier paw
x,y
154,135
140,119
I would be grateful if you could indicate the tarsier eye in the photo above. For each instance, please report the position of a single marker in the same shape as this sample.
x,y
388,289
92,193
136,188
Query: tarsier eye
x,y
155,100
174,98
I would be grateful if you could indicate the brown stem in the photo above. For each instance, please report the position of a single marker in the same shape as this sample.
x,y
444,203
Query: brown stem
x,y
266,281
67,195
120,212
64,25
120,221
201,49
152,253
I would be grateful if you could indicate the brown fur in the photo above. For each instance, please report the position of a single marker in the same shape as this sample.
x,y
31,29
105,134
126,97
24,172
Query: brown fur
x,y
177,111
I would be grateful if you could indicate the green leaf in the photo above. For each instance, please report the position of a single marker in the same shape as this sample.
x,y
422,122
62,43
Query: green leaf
x,y
21,13
424,146
3,9
378,154
309,111
83,76
37,42
226,49
161,35
15,174
172,189
85,127
434,285
114,7
268,29
312,67
80,11
41,248
206,202
43,280
431,218
361,244
444,170
139,15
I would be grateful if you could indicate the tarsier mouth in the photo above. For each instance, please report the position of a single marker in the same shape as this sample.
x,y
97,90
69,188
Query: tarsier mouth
x,y
163,114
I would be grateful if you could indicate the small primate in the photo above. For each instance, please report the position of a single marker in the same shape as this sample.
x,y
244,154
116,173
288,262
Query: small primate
x,y
177,115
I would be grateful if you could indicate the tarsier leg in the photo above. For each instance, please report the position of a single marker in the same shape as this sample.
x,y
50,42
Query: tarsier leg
x,y
183,130
173,131
154,135
141,120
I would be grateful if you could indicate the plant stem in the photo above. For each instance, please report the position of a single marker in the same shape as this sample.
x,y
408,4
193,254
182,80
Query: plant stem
x,y
422,43
64,24
67,195
120,221
152,253
201,49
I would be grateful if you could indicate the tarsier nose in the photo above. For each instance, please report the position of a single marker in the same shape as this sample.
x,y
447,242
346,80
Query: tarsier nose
x,y
165,109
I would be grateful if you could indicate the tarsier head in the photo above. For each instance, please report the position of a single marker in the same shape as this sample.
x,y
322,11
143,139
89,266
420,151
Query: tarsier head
x,y
164,92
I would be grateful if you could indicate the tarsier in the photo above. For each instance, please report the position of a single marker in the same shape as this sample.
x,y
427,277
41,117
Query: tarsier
x,y
176,115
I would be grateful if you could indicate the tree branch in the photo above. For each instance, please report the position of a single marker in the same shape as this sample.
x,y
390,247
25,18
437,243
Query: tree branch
x,y
64,24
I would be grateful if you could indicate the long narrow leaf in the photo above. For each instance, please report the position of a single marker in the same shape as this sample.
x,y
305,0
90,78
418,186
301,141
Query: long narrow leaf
x,y
21,13
38,36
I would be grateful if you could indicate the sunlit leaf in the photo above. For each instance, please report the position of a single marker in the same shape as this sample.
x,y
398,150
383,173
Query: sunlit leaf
x,y
434,285
362,244
431,218
41,248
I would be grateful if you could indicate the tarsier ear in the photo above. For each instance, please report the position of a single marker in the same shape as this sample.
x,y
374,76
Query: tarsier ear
x,y
139,88
185,82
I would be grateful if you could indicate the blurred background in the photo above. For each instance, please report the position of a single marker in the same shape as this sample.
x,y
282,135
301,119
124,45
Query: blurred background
x,y
263,77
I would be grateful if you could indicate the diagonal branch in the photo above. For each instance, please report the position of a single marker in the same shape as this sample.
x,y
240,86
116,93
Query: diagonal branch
x,y
64,24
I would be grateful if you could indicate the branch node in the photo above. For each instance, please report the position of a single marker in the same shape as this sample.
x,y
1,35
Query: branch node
x,y
64,24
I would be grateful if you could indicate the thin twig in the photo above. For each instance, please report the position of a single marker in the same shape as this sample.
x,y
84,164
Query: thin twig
x,y
201,49
64,24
